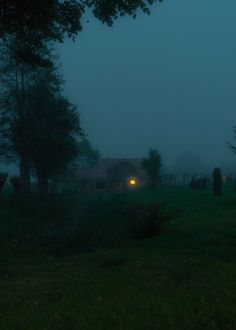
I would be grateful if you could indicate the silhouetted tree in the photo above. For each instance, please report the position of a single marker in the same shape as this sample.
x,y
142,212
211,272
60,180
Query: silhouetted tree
x,y
42,132
16,79
34,23
152,166
50,130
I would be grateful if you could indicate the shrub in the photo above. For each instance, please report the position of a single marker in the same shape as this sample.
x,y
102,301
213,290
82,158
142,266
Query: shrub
x,y
63,224
146,220
71,226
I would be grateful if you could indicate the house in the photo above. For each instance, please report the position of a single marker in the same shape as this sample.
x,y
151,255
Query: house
x,y
112,175
109,175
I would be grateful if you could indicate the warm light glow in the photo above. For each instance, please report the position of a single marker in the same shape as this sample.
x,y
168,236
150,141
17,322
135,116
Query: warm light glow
x,y
133,182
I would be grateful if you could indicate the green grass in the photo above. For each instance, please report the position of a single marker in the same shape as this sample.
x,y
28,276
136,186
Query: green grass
x,y
182,279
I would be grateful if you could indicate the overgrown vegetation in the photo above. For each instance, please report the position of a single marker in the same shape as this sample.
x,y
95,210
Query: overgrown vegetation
x,y
183,278
146,220
66,222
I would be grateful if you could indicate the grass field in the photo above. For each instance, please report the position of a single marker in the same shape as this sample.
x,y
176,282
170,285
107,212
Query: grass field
x,y
183,279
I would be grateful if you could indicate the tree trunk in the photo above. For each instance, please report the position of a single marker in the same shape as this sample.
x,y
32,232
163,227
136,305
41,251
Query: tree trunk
x,y
24,174
42,183
24,163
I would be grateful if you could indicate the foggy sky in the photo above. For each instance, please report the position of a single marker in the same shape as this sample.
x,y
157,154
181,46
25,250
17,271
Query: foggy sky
x,y
165,81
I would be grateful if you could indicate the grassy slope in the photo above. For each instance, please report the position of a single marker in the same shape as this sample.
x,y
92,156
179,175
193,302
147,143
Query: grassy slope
x,y
183,279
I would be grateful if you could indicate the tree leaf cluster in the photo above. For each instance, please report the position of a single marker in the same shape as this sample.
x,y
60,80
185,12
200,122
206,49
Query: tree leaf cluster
x,y
46,20
35,23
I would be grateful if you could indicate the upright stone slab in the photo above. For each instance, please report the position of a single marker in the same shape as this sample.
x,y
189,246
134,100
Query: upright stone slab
x,y
217,181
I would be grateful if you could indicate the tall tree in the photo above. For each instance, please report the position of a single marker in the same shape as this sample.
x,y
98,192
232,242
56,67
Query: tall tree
x,y
16,78
37,124
49,133
152,166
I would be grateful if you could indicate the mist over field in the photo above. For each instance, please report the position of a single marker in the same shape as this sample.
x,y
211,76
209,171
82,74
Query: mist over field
x,y
164,81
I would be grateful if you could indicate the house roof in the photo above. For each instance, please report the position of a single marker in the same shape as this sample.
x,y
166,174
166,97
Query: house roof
x,y
100,169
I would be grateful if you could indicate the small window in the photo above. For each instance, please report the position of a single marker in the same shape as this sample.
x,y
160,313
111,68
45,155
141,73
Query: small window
x,y
101,185
133,182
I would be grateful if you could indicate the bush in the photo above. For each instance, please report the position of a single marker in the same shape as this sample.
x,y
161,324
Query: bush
x,y
62,223
146,220
74,227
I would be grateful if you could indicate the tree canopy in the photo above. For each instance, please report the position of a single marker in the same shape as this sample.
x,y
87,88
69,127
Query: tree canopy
x,y
51,19
35,23
61,16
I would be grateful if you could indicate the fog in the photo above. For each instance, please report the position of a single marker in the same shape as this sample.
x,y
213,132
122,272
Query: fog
x,y
165,81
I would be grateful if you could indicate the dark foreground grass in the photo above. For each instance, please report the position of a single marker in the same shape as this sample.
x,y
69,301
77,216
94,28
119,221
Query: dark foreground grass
x,y
182,279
